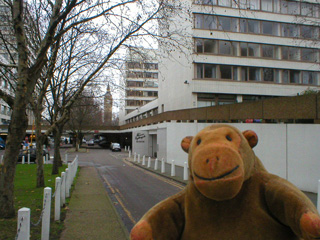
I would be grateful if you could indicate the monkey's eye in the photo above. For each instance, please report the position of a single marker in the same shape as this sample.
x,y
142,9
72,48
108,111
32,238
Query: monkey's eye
x,y
228,138
199,141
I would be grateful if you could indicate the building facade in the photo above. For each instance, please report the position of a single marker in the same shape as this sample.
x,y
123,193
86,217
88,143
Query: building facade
x,y
141,78
242,51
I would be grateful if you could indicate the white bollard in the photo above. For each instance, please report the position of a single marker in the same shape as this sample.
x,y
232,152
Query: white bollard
x,y
63,189
163,168
149,162
66,158
143,160
129,154
125,148
156,164
135,157
57,199
47,158
28,158
23,159
138,158
128,148
44,159
23,228
45,229
318,199
185,171
67,184
1,159
173,169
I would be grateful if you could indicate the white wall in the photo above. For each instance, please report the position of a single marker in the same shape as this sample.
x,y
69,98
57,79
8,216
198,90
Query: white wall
x,y
291,151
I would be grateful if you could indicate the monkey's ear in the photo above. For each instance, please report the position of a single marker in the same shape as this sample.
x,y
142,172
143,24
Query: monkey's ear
x,y
185,143
251,137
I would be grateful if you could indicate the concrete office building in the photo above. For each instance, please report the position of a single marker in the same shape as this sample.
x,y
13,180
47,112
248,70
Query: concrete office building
x,y
141,78
240,51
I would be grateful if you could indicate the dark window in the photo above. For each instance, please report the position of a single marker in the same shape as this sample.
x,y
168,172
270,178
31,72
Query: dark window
x,y
254,74
209,71
209,46
199,45
267,28
268,74
225,48
294,76
267,51
253,26
225,72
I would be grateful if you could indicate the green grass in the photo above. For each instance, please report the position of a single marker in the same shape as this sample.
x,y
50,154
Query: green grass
x,y
27,195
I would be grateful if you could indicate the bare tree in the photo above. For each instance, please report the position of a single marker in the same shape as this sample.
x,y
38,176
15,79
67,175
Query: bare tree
x,y
119,21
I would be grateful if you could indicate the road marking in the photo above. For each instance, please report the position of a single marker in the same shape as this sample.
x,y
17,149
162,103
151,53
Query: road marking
x,y
119,200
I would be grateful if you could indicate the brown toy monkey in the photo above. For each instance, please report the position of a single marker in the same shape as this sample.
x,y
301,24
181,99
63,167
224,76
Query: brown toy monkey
x,y
229,196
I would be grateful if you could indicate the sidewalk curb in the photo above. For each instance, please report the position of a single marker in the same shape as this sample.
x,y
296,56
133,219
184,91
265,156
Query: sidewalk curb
x,y
176,178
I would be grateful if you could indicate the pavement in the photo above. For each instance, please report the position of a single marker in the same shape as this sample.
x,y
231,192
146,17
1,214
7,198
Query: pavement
x,y
91,213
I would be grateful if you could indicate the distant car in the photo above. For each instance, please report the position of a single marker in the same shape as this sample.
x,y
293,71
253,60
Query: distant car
x,y
115,147
33,154
90,142
104,143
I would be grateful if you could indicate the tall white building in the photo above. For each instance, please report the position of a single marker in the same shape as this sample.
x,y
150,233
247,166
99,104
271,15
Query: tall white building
x,y
141,78
242,50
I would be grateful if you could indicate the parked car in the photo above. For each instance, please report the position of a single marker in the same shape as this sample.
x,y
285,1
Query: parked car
x,y
90,142
115,147
33,154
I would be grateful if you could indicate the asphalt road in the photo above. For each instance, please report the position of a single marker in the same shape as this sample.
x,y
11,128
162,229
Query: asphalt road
x,y
133,190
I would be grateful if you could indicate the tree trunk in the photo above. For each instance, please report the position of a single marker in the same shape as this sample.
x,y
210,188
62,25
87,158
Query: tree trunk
x,y
17,130
39,159
57,157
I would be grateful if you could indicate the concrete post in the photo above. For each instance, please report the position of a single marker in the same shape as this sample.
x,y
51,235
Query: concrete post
x,y
23,159
28,158
45,229
139,158
23,226
67,176
163,169
143,160
173,169
57,199
156,164
63,189
129,154
135,157
185,171
149,162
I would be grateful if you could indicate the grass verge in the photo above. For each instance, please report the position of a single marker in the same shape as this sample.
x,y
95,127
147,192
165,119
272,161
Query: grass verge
x,y
27,195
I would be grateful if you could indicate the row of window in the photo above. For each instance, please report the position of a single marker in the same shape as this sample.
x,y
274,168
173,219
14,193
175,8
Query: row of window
x,y
139,65
146,84
211,99
243,73
233,24
244,49
276,6
131,74
133,93
136,103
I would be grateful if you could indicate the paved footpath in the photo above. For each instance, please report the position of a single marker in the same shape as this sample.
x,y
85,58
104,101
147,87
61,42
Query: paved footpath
x,y
91,214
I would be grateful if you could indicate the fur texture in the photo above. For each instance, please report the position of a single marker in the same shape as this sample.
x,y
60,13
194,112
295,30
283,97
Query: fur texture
x,y
230,196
